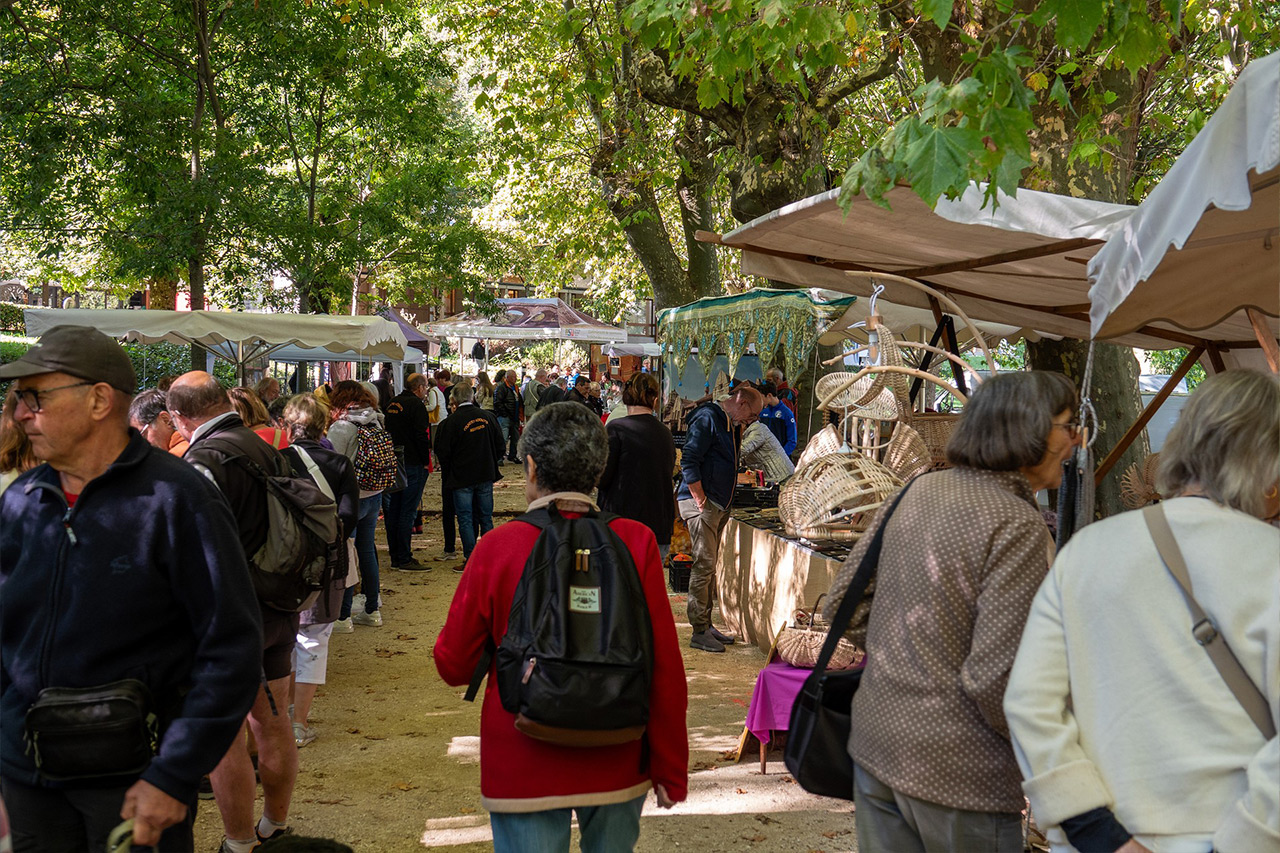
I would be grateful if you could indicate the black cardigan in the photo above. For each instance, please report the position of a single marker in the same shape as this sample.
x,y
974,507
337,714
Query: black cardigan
x,y
637,480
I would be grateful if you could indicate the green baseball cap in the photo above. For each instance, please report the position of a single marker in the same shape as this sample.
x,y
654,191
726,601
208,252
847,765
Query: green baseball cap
x,y
78,351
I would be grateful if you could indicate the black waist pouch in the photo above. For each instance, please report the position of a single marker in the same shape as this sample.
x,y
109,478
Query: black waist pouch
x,y
78,733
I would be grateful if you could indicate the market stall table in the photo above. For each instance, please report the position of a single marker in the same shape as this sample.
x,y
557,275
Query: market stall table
x,y
764,576
777,687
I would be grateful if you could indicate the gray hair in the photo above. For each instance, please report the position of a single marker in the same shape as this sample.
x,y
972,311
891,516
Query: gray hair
x,y
1226,441
462,392
569,445
147,406
1005,425
305,417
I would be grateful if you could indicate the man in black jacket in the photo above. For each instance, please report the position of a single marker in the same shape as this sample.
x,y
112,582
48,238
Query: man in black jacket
x,y
469,445
202,413
117,560
507,404
410,429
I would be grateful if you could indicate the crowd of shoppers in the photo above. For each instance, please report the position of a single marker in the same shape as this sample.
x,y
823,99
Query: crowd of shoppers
x,y
994,673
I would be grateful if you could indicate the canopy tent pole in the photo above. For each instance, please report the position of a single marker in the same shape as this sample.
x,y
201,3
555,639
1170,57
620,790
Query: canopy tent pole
x,y
1193,355
1269,347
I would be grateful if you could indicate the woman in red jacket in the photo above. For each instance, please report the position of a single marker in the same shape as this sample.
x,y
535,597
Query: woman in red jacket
x,y
531,787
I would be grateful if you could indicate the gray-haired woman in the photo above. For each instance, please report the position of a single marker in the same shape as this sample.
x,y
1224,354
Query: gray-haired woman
x,y
1127,734
962,557
531,787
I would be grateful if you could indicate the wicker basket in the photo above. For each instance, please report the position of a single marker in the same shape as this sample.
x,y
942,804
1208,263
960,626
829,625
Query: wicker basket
x,y
936,428
834,496
824,441
801,647
907,454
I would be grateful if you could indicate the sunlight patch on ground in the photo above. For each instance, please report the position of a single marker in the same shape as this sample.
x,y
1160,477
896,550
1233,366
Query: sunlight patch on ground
x,y
465,750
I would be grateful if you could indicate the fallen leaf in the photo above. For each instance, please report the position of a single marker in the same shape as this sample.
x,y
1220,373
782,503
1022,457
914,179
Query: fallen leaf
x,y
405,637
375,737
835,833
353,731
753,838
741,702
740,790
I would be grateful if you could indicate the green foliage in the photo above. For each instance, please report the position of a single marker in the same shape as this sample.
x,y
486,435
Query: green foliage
x,y
309,139
12,319
151,362
1166,362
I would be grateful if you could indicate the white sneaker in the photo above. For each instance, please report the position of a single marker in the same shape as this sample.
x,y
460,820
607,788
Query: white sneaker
x,y
303,734
372,620
357,602
343,626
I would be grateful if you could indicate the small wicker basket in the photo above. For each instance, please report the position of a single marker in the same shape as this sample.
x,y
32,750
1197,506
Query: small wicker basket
x,y
800,644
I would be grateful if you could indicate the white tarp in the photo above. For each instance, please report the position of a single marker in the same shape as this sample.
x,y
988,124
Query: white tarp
x,y
1206,242
238,337
1022,265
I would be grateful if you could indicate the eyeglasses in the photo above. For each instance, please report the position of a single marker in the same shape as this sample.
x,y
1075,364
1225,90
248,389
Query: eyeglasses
x,y
31,397
1072,428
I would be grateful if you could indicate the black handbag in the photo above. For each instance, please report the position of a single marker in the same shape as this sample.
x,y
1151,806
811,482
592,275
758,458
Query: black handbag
x,y
817,750
76,733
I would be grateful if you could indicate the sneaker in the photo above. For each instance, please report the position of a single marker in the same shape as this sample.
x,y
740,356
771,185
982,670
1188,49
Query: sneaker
x,y
725,639
343,626
705,642
448,555
412,565
276,833
357,602
303,734
372,620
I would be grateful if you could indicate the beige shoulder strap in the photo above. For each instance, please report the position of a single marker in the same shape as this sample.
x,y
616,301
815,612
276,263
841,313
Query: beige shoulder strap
x,y
1202,628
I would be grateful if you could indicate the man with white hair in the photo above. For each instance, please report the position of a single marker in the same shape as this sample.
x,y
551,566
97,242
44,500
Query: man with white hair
x,y
709,470
120,570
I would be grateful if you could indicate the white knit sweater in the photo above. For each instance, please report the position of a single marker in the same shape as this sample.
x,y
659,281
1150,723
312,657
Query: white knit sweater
x,y
1112,703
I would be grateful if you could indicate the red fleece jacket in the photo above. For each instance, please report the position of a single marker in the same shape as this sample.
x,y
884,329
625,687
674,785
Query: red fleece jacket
x,y
520,774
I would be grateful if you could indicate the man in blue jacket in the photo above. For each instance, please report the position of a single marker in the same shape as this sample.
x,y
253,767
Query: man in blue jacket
x,y
709,469
780,420
117,560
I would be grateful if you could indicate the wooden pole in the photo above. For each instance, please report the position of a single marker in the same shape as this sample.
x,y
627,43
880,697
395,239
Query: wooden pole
x,y
1193,355
1269,346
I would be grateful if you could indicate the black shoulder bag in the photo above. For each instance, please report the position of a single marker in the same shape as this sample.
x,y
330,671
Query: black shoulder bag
x,y
817,751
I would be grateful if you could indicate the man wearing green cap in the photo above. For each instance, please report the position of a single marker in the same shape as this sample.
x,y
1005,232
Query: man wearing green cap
x,y
117,562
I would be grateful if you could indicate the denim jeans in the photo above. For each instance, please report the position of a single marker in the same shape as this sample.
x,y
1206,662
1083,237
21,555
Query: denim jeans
x,y
401,512
366,550
605,829
474,506
511,431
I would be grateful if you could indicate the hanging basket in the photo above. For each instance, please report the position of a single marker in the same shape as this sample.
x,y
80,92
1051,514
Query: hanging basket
x,y
935,429
835,496
907,454
824,441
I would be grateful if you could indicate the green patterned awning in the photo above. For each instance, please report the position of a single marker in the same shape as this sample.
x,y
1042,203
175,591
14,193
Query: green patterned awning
x,y
768,318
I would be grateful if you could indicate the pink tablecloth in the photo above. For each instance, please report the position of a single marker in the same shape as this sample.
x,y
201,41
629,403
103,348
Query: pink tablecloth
x,y
776,689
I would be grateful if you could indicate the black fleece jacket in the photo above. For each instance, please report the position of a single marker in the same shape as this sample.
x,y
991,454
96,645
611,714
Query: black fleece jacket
x,y
410,427
469,445
143,578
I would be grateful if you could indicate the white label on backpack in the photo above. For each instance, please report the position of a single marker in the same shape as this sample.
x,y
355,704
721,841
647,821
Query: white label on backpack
x,y
584,599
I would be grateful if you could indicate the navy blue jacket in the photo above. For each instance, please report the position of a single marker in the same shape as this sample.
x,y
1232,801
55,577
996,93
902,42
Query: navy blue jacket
x,y
709,455
143,578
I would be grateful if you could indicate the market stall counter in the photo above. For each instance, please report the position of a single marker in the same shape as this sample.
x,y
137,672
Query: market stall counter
x,y
765,575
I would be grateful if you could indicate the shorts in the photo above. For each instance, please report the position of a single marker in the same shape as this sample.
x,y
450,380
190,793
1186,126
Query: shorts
x,y
279,633
311,653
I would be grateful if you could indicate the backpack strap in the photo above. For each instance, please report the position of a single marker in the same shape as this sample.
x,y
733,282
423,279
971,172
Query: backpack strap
x,y
314,470
482,669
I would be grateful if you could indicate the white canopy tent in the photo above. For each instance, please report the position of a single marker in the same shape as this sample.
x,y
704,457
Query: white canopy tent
x,y
1204,246
238,337
528,320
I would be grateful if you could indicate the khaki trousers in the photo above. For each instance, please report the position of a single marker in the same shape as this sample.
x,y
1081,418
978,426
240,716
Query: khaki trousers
x,y
705,530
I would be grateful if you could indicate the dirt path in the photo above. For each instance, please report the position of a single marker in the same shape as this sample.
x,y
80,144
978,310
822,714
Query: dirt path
x,y
395,766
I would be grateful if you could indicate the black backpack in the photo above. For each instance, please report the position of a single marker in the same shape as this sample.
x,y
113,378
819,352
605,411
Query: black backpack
x,y
576,663
289,570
